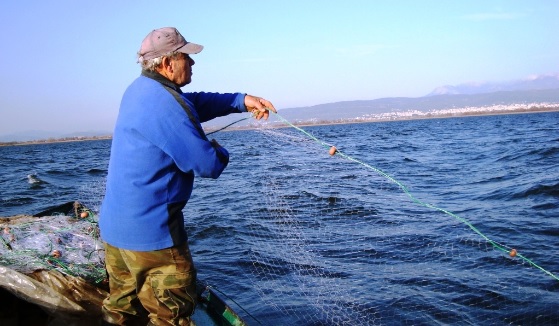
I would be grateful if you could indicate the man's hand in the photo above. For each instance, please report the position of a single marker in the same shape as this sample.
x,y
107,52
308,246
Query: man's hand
x,y
258,106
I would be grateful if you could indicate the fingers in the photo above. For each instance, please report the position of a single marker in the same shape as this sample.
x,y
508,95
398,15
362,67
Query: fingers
x,y
259,107
267,105
260,114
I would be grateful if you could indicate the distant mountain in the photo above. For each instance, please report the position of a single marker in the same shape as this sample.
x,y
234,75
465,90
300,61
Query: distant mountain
x,y
348,110
537,82
354,109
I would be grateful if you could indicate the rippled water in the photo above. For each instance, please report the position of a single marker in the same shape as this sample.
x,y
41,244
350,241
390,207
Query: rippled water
x,y
297,237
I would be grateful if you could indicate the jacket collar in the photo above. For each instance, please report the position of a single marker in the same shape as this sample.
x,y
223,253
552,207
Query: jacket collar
x,y
159,78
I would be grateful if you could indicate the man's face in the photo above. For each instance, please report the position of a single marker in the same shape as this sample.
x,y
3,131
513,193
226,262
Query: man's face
x,y
182,69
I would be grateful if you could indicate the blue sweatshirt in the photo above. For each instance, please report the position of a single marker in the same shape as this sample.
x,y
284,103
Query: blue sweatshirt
x,y
158,147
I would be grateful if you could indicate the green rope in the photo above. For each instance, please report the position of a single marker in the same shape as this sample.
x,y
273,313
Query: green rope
x,y
417,201
6,243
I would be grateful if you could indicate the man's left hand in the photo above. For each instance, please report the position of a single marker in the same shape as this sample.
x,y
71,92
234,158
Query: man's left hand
x,y
258,106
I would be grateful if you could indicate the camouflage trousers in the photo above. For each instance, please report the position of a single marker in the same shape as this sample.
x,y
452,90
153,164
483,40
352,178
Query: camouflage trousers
x,y
153,287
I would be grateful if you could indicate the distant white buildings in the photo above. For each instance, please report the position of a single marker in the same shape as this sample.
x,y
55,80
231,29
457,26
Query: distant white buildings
x,y
493,109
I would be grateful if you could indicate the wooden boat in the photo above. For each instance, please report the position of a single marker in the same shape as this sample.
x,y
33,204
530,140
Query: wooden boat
x,y
44,297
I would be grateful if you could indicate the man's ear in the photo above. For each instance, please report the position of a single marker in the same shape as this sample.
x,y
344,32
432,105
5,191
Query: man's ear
x,y
166,63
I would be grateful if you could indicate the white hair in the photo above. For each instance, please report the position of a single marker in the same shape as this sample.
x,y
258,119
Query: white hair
x,y
151,64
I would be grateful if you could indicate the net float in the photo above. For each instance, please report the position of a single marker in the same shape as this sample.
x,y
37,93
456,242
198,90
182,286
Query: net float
x,y
512,253
333,150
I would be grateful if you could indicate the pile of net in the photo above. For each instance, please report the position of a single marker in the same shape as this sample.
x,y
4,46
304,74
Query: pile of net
x,y
54,260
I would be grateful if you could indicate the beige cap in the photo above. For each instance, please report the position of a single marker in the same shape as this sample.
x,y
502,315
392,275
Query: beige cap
x,y
163,41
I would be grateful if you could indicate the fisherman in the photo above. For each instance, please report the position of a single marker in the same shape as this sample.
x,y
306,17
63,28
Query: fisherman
x,y
158,147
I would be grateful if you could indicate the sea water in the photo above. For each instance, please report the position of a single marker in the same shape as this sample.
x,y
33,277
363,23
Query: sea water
x,y
500,173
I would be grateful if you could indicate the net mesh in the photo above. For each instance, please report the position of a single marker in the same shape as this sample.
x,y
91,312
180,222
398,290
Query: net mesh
x,y
349,245
64,241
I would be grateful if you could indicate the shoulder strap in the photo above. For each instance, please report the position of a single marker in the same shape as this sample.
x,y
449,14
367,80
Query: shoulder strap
x,y
188,111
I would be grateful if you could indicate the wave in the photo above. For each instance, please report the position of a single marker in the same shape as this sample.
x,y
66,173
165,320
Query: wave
x,y
549,152
16,201
540,190
33,179
96,171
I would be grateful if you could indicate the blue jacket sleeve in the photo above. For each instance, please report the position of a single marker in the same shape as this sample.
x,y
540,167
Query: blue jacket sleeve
x,y
213,105
193,153
171,130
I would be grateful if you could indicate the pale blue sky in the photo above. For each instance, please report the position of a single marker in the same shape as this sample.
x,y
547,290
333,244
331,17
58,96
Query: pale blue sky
x,y
65,64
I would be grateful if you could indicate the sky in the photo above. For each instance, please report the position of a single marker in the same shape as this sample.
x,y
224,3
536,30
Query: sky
x,y
65,64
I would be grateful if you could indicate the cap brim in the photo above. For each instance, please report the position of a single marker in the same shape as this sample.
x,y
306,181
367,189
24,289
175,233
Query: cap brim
x,y
190,48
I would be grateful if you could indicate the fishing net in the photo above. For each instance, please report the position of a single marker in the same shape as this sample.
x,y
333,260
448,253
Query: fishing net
x,y
333,240
55,260
55,240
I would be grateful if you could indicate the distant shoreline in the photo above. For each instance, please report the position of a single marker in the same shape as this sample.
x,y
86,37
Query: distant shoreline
x,y
55,140
301,124
373,120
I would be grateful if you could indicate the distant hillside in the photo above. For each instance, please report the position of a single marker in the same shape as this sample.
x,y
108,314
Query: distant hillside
x,y
356,109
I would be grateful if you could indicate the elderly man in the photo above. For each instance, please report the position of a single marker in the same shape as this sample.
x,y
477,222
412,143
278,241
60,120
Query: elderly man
x,y
158,147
